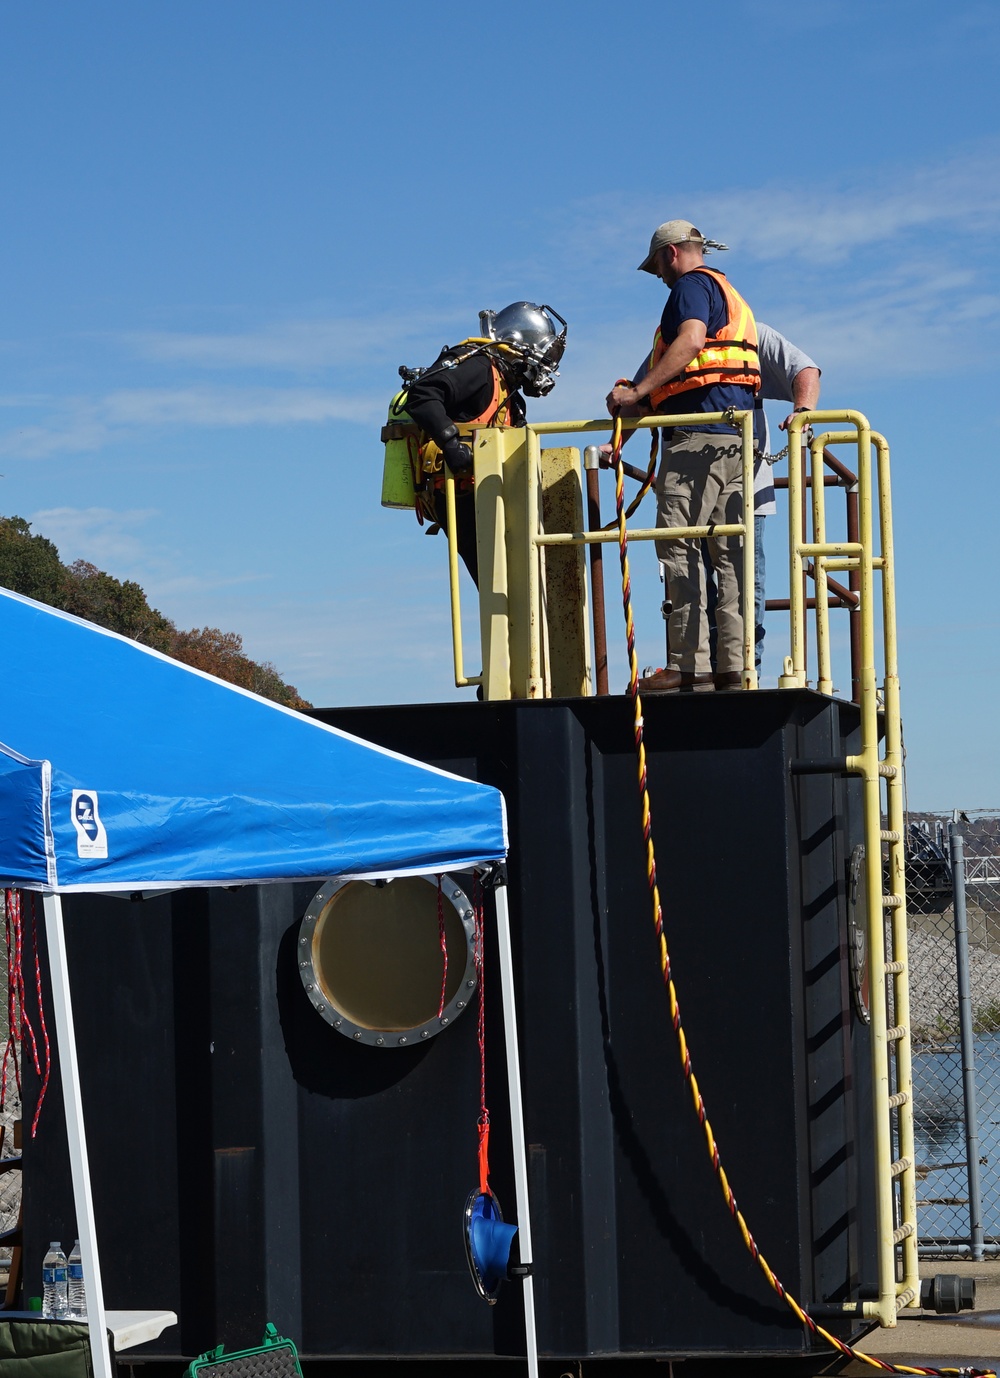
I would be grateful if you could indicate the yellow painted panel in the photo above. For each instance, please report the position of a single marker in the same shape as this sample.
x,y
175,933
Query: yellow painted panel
x,y
518,584
566,645
491,540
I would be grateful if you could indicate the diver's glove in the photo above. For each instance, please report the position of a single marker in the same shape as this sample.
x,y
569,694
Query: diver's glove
x,y
457,455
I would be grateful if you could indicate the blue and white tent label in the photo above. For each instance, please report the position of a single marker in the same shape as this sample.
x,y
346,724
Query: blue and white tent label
x,y
91,838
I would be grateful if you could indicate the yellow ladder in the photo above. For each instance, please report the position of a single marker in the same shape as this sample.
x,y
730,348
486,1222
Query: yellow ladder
x,y
892,1078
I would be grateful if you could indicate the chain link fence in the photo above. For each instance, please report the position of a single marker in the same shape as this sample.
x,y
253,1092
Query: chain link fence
x,y
956,1214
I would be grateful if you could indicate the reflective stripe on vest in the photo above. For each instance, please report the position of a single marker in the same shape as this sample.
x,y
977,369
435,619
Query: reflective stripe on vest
x,y
727,357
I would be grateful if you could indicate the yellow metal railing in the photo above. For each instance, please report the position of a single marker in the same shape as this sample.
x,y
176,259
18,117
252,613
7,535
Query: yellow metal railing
x,y
525,623
892,1083
744,529
509,473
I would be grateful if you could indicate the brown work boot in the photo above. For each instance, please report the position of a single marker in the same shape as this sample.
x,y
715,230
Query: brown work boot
x,y
666,681
728,679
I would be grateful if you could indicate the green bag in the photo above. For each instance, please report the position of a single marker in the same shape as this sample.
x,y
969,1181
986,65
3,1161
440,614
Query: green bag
x,y
44,1349
275,1357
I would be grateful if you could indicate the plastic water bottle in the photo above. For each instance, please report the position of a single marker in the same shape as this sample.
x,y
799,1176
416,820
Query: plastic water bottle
x,y
55,1299
77,1291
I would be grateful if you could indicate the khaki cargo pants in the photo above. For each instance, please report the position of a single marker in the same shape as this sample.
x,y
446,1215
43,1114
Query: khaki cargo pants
x,y
700,483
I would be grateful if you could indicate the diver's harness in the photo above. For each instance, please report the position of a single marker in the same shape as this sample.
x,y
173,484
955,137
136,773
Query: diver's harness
x,y
423,454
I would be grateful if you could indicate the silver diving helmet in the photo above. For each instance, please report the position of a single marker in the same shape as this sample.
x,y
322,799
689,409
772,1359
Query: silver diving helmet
x,y
530,335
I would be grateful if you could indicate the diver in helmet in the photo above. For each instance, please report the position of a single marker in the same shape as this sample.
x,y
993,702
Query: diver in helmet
x,y
474,384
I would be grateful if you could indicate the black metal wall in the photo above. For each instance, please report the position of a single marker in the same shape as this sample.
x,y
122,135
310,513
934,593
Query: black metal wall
x,y
250,1164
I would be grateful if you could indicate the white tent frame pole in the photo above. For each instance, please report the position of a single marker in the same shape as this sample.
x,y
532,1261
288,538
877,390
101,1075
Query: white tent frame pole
x,y
516,1120
83,1200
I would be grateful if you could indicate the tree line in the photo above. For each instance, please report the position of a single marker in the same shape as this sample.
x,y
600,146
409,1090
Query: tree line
x,y
30,565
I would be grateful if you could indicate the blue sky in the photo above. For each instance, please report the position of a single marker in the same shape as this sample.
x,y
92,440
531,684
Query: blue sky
x,y
226,224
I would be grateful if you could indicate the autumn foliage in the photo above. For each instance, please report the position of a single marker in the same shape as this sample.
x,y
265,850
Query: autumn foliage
x,y
30,564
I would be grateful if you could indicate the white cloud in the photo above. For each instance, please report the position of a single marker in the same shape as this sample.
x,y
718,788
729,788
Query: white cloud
x,y
119,541
20,400
75,425
232,406
299,345
908,323
167,586
293,345
957,200
68,432
335,649
883,275
814,221
97,534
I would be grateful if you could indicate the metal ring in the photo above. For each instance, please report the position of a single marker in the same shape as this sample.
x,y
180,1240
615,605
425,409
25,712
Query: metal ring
x,y
321,960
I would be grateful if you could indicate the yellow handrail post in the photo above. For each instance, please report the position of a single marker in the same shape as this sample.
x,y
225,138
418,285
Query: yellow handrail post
x,y
910,1282
748,601
461,679
824,676
795,664
868,763
536,682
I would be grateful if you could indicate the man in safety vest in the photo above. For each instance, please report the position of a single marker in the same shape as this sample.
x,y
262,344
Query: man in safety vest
x,y
478,383
704,359
787,374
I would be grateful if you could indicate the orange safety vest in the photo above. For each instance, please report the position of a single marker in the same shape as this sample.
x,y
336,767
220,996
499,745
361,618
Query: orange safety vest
x,y
728,357
495,413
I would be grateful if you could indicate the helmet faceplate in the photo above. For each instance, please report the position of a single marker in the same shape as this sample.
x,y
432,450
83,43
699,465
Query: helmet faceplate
x,y
529,334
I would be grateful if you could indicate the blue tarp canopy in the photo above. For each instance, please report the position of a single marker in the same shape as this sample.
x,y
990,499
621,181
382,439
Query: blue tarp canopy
x,y
121,769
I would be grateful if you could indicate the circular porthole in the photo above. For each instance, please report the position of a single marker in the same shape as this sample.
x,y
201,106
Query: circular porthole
x,y
372,962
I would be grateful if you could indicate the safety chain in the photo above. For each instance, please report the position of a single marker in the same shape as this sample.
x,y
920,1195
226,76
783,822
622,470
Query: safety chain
x,y
675,1011
17,1015
730,415
783,454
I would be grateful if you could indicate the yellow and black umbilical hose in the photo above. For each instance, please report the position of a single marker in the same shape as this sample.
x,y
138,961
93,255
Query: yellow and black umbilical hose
x,y
691,1081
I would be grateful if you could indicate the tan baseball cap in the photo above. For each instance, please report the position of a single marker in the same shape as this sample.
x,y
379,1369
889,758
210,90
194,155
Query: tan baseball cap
x,y
672,232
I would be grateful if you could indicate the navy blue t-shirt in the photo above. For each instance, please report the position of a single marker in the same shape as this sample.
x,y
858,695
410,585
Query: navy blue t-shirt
x,y
696,296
